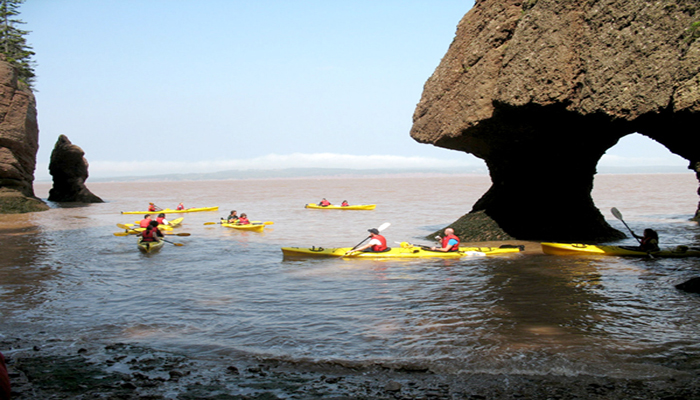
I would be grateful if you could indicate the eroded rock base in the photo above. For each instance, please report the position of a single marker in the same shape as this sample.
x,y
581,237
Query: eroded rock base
x,y
14,202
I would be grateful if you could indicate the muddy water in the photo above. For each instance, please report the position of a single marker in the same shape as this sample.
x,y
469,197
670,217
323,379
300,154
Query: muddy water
x,y
230,293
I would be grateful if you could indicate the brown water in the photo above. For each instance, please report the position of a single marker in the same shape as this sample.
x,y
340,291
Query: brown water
x,y
230,293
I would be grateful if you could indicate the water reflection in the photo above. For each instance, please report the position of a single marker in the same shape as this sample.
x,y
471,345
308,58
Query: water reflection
x,y
23,271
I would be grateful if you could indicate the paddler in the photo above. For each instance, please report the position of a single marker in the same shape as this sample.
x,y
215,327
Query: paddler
x,y
180,207
152,233
648,242
449,243
161,219
232,218
376,242
153,207
243,220
344,203
324,203
145,221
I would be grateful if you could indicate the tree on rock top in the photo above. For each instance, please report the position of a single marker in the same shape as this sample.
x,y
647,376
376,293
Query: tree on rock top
x,y
13,43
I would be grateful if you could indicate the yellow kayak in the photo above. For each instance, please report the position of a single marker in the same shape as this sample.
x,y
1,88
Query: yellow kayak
x,y
253,226
169,211
150,247
404,251
334,207
568,249
171,224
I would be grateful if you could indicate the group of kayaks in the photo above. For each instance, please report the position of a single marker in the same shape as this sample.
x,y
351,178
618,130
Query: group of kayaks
x,y
407,250
152,246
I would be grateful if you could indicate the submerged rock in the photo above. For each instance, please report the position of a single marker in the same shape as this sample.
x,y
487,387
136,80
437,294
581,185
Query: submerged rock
x,y
70,171
690,286
540,89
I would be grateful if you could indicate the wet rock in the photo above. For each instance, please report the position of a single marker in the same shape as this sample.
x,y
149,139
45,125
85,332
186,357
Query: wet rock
x,y
540,90
392,386
691,286
70,171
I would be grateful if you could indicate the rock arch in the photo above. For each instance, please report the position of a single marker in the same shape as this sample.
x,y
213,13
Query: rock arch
x,y
541,89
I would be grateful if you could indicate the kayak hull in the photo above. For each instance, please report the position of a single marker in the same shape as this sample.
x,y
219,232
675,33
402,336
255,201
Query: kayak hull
x,y
396,252
568,249
169,211
176,222
334,207
150,247
254,227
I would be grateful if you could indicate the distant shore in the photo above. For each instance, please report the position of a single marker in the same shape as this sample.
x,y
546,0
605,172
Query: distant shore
x,y
328,173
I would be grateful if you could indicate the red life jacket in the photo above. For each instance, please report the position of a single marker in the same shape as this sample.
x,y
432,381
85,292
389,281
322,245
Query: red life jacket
x,y
145,222
381,247
242,221
180,207
148,235
446,240
160,220
151,207
325,203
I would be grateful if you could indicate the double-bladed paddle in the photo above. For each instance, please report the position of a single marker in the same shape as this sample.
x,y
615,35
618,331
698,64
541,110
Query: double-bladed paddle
x,y
617,214
380,228
165,233
166,241
252,223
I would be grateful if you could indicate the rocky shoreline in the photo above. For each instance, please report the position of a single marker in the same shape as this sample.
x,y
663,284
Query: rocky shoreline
x,y
126,371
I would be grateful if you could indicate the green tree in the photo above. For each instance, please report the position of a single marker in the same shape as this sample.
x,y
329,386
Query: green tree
x,y
13,43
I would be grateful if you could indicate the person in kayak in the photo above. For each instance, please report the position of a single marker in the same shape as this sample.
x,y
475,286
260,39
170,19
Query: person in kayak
x,y
324,203
233,217
152,233
344,203
243,220
153,207
650,240
145,221
377,243
161,219
180,207
449,243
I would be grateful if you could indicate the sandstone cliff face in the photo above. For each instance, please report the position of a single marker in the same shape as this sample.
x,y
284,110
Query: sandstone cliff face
x,y
540,89
69,170
19,143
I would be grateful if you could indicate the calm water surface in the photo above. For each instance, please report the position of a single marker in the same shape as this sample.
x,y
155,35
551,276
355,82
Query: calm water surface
x,y
230,293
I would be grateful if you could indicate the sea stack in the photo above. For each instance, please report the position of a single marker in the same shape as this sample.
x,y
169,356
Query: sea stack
x,y
19,143
540,89
69,170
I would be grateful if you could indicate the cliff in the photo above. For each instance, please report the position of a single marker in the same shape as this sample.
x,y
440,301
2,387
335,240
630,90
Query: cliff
x,y
540,89
19,143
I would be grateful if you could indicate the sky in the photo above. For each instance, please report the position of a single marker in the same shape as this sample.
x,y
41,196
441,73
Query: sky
x,y
150,87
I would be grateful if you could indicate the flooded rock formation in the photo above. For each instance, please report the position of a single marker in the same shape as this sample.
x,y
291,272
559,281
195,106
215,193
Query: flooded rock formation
x,y
19,143
540,89
69,170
